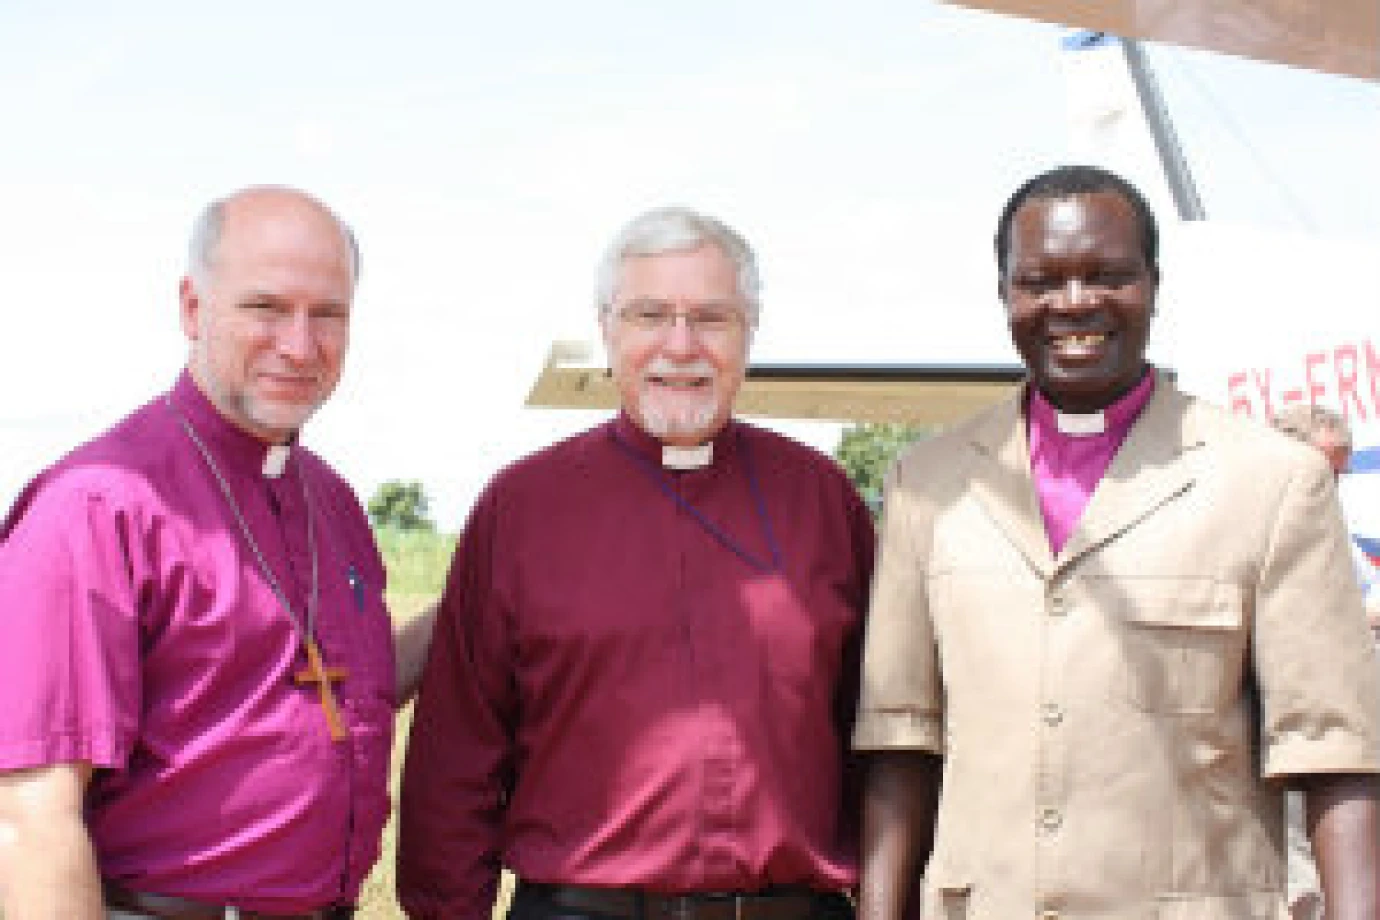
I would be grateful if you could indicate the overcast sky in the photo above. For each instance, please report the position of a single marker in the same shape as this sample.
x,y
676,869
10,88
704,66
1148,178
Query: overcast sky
x,y
485,153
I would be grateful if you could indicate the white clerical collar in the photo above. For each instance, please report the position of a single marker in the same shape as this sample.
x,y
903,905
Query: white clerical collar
x,y
1080,424
687,458
275,461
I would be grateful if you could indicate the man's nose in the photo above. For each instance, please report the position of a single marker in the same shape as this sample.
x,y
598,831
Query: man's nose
x,y
679,338
1075,294
296,338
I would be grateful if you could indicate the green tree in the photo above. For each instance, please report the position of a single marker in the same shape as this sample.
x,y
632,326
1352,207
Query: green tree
x,y
867,451
401,505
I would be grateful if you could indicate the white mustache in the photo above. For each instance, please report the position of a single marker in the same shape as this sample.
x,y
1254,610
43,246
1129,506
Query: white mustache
x,y
664,367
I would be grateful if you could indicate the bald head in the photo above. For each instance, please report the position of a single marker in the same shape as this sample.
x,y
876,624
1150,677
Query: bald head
x,y
248,203
266,307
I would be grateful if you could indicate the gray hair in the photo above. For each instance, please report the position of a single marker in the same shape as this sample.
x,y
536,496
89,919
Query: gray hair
x,y
678,229
1307,422
207,228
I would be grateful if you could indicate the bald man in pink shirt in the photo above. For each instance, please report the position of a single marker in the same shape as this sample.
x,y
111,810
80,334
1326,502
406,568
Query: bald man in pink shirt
x,y
198,671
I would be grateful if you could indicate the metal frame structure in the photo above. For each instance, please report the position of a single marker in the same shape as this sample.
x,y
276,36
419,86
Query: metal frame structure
x,y
918,394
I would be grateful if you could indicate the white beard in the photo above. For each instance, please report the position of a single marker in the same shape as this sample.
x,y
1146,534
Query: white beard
x,y
679,421
665,423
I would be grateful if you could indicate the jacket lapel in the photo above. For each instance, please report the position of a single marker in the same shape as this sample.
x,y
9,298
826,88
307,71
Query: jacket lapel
x,y
1002,484
1155,464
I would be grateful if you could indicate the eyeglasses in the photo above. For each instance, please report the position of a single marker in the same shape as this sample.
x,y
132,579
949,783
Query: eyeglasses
x,y
659,316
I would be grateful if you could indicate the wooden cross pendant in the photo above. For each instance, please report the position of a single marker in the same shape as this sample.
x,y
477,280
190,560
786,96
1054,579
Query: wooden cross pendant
x,y
317,673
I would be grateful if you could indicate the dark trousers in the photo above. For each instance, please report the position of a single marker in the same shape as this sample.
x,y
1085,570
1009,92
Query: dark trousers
x,y
533,902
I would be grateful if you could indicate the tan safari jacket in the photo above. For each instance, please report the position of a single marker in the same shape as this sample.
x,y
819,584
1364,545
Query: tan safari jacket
x,y
1111,720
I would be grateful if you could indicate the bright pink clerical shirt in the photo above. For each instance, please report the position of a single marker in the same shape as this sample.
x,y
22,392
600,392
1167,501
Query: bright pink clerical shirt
x,y
618,697
141,637
1068,466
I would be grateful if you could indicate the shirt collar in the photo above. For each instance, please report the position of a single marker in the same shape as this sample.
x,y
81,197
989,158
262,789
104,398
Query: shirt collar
x,y
232,445
1116,418
628,432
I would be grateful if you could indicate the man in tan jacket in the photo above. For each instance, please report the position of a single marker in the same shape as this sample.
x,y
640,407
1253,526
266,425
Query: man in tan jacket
x,y
1116,620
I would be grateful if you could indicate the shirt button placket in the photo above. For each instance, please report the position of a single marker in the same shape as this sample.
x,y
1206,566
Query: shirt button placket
x,y
1049,819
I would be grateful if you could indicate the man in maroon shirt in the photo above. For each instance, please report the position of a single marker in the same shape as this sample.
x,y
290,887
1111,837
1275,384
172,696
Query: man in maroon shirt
x,y
641,688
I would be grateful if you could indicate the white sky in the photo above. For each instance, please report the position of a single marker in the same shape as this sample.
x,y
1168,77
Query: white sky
x,y
485,152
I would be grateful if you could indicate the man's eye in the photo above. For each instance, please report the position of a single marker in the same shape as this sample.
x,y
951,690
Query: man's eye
x,y
711,320
1112,279
650,316
1036,285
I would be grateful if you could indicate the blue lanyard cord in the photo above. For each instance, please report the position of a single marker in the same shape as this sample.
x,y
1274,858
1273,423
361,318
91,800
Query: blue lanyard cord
x,y
663,482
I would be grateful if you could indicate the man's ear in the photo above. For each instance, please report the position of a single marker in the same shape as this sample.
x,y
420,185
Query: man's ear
x,y
606,333
190,307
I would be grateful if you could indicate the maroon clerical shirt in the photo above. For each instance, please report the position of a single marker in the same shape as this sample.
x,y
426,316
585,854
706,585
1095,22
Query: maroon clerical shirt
x,y
625,689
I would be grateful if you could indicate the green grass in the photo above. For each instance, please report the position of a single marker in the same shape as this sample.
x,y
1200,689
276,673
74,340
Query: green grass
x,y
417,561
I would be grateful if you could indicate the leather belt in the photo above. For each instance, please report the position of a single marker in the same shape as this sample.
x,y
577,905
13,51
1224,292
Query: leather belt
x,y
168,907
786,903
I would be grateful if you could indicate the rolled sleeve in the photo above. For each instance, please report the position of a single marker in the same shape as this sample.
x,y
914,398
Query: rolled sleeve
x,y
901,698
69,663
1315,665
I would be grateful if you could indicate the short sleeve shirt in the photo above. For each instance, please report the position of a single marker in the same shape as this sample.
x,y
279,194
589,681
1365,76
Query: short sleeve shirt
x,y
142,636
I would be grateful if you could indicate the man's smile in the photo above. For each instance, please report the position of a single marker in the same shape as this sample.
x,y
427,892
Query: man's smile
x,y
1078,345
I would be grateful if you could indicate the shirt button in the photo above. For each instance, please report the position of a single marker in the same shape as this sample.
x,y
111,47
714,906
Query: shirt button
x,y
1058,605
1050,819
1051,714
1049,915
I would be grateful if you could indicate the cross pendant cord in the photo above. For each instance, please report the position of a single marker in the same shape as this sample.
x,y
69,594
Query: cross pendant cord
x,y
662,482
316,671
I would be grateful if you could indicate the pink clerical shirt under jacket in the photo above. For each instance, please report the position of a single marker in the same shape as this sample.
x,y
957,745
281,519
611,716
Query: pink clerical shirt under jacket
x,y
619,696
1067,467
140,636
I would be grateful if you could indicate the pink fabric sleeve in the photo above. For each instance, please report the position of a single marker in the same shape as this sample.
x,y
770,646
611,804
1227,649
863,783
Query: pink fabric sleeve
x,y
69,662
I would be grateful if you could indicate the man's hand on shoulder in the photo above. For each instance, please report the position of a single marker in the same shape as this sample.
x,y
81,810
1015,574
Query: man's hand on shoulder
x,y
1373,610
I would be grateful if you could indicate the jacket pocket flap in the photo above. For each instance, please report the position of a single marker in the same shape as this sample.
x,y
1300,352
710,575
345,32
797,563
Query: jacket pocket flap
x,y
1183,603
947,882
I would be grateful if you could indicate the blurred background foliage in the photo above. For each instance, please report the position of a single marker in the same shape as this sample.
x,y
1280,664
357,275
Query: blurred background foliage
x,y
867,452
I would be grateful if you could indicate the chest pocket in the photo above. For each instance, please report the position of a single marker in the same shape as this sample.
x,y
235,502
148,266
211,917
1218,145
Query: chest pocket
x,y
1184,642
